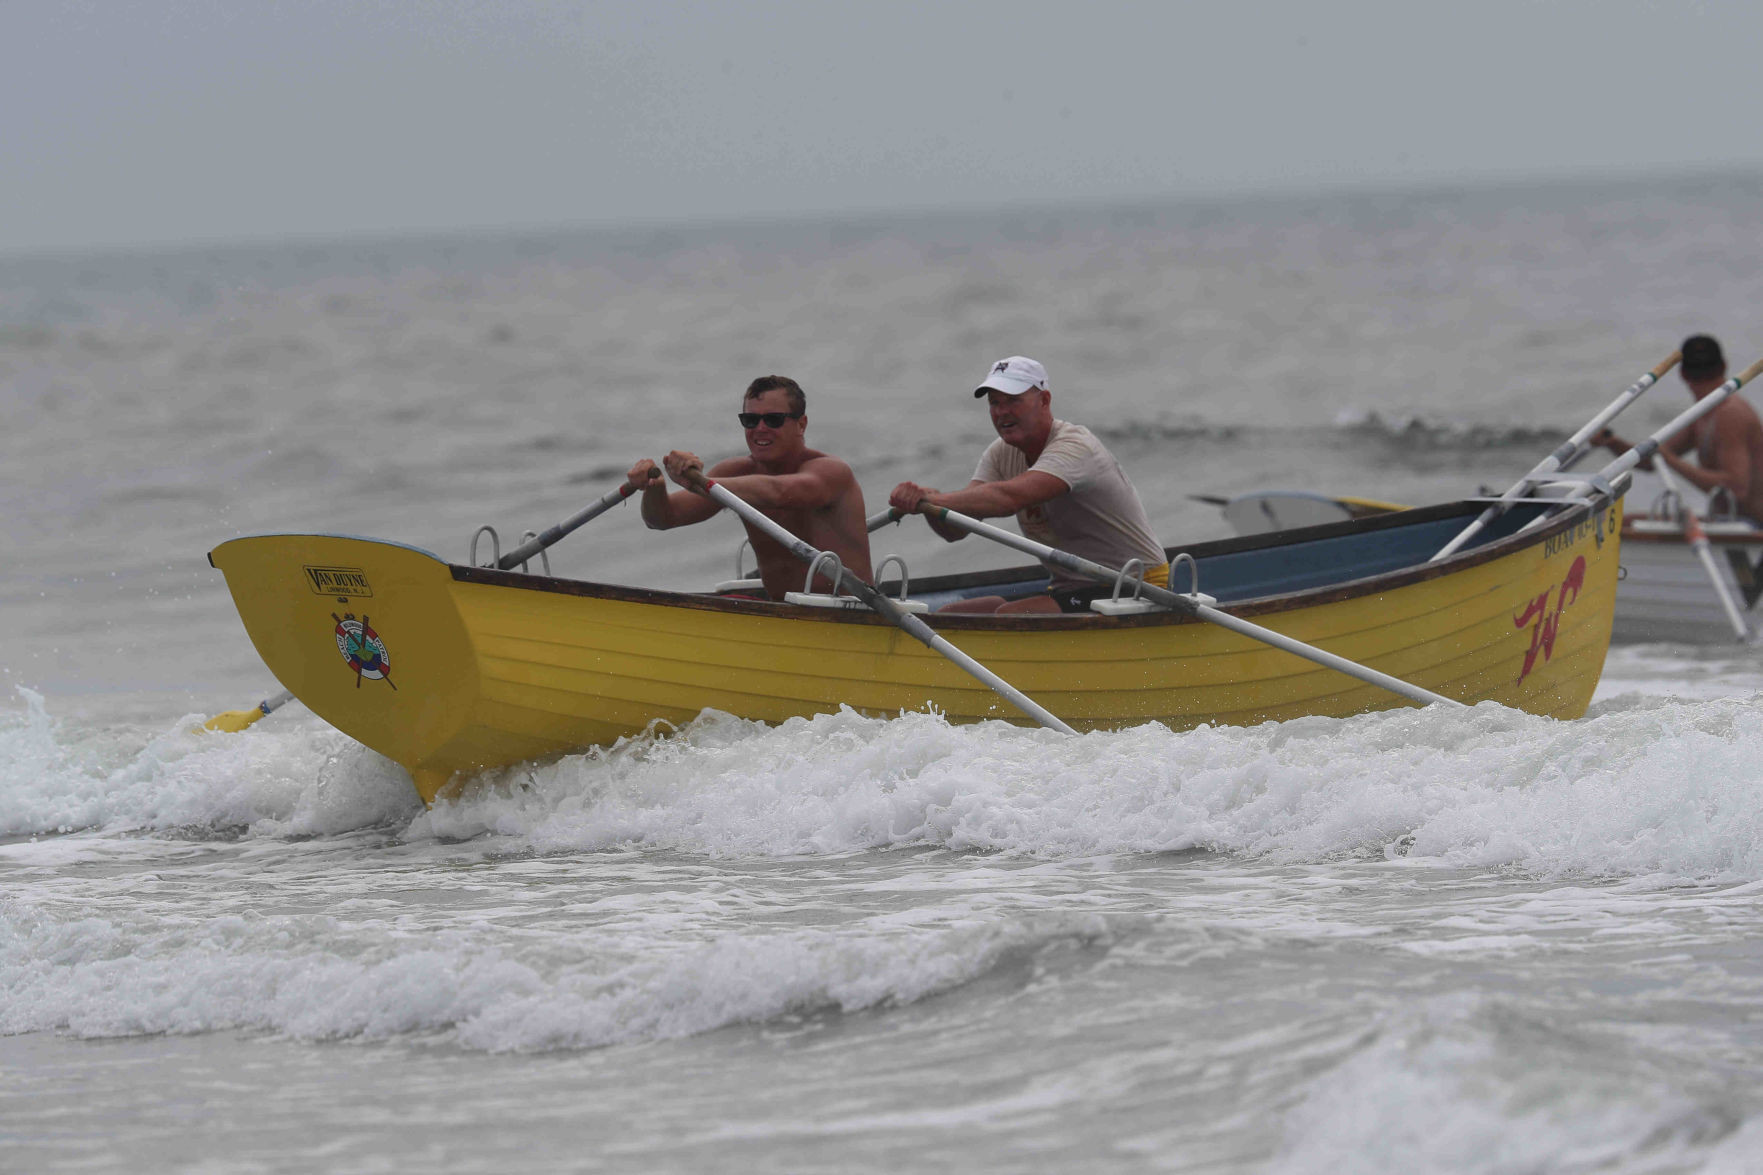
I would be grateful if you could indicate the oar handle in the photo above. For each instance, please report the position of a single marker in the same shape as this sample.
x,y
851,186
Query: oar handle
x,y
601,504
876,600
1665,366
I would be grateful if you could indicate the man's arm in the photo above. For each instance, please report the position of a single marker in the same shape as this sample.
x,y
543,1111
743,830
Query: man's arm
x,y
818,484
663,510
981,499
1731,469
1618,446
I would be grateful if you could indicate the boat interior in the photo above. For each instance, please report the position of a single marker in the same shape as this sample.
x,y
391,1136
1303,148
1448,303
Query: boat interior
x,y
1232,570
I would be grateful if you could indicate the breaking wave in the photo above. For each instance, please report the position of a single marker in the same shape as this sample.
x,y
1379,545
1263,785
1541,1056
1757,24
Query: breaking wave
x,y
1639,788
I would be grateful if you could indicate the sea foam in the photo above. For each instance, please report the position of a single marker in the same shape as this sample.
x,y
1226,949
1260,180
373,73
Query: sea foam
x,y
293,778
1640,788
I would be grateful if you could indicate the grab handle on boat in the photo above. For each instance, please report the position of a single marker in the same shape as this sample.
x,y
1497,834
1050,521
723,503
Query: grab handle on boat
x,y
905,582
1193,593
1133,572
746,545
838,575
544,556
495,547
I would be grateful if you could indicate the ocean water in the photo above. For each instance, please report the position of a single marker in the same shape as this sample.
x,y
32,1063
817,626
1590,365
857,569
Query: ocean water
x,y
1477,941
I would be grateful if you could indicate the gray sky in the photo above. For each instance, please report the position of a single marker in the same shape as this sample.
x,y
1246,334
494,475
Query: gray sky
x,y
126,122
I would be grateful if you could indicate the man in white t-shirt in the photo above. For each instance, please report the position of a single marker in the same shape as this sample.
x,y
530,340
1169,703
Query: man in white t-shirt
x,y
1064,487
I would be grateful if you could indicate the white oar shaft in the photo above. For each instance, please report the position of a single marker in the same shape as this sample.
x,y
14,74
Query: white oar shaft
x,y
910,624
1564,457
1697,538
1627,461
1192,607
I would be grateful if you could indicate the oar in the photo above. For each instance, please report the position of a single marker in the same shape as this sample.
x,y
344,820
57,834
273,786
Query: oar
x,y
910,624
1698,541
1189,606
602,504
1627,461
1569,452
234,721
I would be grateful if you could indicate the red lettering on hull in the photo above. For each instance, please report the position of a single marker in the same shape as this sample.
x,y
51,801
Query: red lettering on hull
x,y
1542,637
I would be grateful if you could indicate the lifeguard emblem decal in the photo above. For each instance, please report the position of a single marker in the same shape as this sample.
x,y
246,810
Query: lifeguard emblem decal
x,y
363,649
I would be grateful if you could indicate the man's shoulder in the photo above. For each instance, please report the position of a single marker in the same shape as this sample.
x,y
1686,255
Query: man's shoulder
x,y
1074,436
824,462
1738,413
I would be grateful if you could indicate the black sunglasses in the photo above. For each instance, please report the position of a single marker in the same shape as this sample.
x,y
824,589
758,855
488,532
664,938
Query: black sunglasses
x,y
771,419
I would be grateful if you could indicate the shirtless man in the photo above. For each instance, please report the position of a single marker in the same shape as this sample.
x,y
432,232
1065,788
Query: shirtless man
x,y
813,496
1064,487
1728,441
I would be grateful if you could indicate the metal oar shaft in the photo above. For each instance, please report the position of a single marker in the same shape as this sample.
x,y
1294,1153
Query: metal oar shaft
x,y
1564,457
1698,541
533,546
1192,607
910,624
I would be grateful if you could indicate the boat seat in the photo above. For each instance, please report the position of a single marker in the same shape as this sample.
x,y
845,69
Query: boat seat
x,y
1138,606
1129,606
849,603
1720,528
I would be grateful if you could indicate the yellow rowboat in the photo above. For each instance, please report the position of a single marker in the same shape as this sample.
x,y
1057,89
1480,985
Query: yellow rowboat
x,y
450,669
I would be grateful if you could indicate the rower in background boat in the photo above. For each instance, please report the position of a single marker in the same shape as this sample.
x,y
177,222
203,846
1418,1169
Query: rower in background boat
x,y
1728,441
1064,486
811,494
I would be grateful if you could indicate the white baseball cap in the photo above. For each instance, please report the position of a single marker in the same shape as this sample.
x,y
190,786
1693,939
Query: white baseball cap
x,y
1013,376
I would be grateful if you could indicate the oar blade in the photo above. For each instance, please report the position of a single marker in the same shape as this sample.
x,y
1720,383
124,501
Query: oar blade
x,y
233,721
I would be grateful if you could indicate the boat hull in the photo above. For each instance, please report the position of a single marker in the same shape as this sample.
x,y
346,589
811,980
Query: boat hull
x,y
1665,593
449,669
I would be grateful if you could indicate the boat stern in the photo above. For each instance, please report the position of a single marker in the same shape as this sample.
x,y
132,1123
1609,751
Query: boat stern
x,y
367,635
